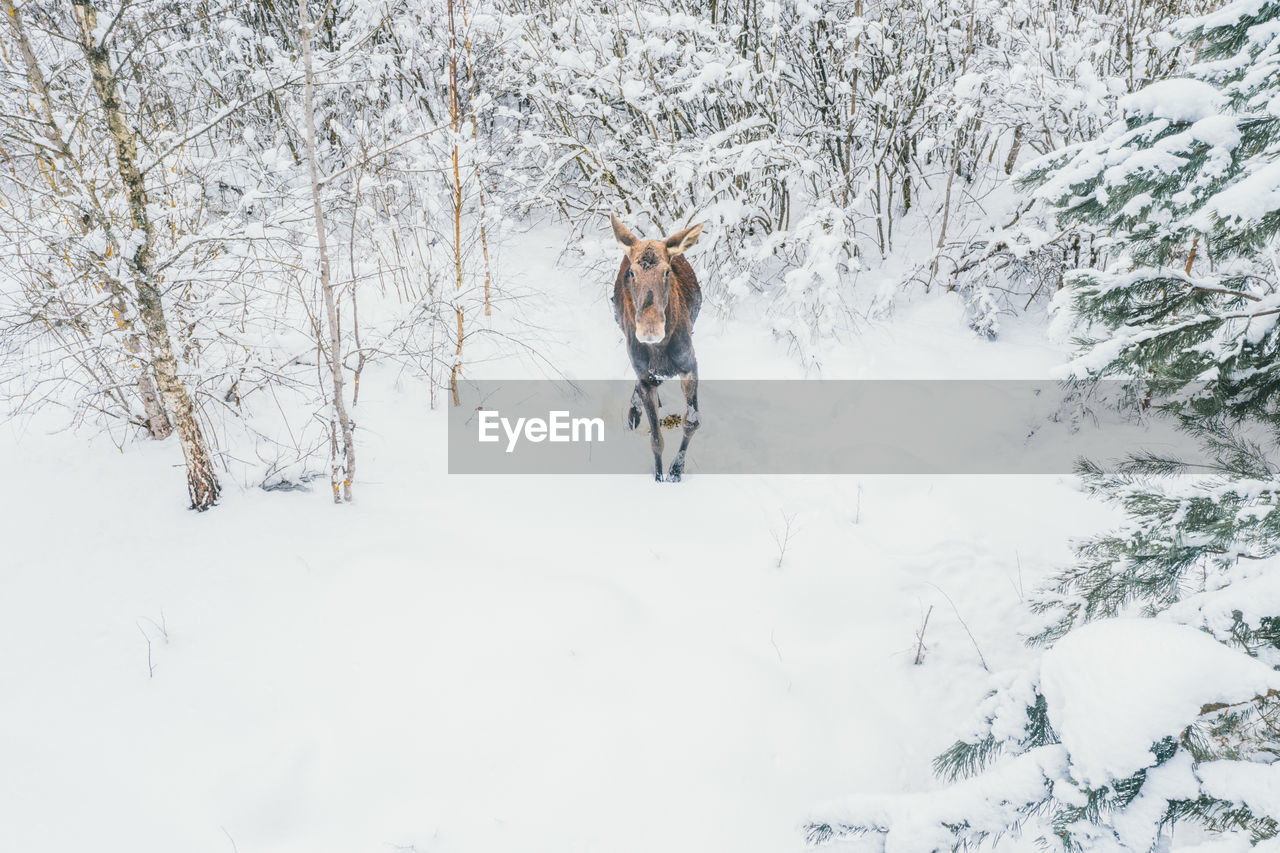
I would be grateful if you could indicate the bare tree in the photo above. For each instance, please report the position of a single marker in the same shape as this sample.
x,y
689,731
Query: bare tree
x,y
343,466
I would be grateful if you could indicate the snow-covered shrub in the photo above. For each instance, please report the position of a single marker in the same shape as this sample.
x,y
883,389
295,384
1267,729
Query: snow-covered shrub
x,y
821,139
216,108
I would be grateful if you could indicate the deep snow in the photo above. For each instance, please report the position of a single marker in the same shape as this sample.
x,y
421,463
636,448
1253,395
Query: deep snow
x,y
506,664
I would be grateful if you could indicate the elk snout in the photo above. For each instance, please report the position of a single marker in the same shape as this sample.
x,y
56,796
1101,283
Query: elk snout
x,y
651,327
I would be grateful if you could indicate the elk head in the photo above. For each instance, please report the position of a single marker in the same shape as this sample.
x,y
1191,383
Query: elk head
x,y
648,279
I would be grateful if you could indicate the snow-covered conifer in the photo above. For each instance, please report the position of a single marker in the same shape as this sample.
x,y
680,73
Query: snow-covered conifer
x,y
1126,727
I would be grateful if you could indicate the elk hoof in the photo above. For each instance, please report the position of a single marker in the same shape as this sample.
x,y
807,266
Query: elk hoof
x,y
677,469
633,418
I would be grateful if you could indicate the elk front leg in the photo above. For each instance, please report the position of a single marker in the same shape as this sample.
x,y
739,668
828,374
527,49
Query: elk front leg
x,y
649,397
637,403
689,384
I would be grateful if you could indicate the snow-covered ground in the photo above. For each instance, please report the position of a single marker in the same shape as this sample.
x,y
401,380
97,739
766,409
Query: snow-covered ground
x,y
506,664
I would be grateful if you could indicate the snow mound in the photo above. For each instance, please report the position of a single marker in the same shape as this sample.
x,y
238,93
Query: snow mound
x,y
1255,785
1228,15
1253,197
1116,687
923,822
1176,100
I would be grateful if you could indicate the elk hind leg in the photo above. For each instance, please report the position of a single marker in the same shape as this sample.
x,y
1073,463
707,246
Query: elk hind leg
x,y
689,384
649,397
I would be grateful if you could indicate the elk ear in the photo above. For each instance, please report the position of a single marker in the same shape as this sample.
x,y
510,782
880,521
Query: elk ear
x,y
621,232
682,241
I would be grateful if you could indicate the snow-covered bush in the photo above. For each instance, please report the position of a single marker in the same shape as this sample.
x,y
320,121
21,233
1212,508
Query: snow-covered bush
x,y
214,106
826,139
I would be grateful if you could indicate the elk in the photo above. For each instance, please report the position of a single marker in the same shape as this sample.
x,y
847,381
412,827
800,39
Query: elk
x,y
655,301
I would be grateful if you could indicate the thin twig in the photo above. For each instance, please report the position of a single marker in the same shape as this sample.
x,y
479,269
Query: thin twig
x,y
964,625
151,667
785,538
920,636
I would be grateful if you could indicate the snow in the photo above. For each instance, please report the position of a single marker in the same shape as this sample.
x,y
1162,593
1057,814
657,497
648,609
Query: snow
x,y
1226,16
1138,826
1118,686
633,90
1176,100
1251,593
506,664
536,663
1255,785
1251,197
485,665
988,802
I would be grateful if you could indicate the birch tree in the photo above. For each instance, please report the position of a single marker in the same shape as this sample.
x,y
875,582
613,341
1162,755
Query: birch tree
x,y
84,235
344,461
202,482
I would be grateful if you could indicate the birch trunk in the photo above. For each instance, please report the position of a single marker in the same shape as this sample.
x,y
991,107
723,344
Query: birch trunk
x,y
475,161
158,425
457,198
202,482
343,470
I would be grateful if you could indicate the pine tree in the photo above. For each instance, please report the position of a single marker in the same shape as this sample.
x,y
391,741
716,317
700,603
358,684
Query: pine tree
x,y
1185,300
1188,187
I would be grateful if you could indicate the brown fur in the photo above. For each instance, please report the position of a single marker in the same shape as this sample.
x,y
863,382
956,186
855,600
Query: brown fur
x,y
682,304
659,331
